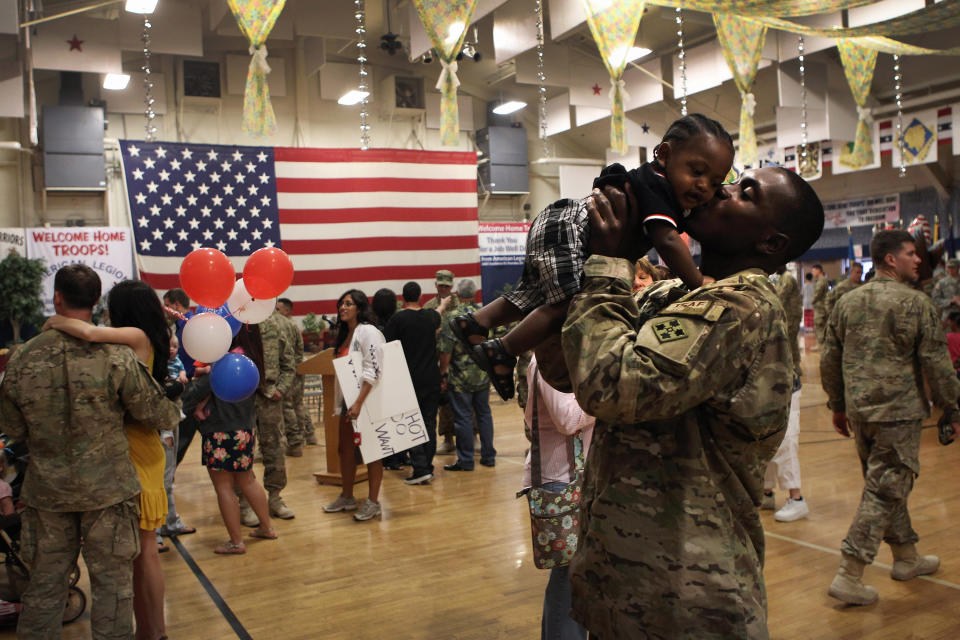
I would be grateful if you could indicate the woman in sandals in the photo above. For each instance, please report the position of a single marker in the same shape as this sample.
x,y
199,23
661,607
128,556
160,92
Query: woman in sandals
x,y
138,320
227,453
356,333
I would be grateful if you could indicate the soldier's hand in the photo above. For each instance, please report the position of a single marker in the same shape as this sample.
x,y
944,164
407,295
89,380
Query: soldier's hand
x,y
614,224
276,396
840,424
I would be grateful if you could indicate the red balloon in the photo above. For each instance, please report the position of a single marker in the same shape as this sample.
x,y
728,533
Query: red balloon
x,y
267,273
207,276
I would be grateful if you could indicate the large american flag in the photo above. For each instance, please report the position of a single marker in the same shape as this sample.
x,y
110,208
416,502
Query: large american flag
x,y
347,218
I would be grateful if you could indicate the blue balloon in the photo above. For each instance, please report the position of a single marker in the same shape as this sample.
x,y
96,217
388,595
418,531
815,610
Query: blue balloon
x,y
223,312
234,377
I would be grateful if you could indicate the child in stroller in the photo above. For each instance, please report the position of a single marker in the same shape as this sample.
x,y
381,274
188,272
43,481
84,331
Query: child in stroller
x,y
13,463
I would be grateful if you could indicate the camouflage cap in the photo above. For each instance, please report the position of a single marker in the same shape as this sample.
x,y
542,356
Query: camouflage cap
x,y
953,262
445,276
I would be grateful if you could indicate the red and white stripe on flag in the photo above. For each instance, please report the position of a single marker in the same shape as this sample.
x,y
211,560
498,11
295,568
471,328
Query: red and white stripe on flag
x,y
374,218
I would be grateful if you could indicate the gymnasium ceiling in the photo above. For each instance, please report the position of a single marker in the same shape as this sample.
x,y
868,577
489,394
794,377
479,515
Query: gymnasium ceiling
x,y
928,81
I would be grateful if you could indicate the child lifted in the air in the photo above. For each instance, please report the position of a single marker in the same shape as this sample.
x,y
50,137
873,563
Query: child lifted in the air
x,y
689,166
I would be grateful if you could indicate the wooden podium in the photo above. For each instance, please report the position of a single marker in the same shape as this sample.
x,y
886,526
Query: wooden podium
x,y
322,365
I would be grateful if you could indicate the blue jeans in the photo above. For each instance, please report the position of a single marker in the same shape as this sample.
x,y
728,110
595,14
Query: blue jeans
x,y
556,623
464,405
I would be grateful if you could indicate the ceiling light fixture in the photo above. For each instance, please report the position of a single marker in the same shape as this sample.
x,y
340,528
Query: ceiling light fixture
x,y
509,107
141,6
116,81
352,97
635,53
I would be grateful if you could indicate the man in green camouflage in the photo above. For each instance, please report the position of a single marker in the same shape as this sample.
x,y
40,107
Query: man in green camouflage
x,y
468,389
946,293
879,339
296,418
66,398
848,284
691,393
279,371
820,292
789,293
445,293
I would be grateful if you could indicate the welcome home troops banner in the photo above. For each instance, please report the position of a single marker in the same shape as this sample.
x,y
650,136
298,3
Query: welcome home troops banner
x,y
503,250
106,250
857,212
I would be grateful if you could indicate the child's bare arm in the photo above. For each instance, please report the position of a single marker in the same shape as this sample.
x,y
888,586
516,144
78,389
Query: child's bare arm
x,y
675,253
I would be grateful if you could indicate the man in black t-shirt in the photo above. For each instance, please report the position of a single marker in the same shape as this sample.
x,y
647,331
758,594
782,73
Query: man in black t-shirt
x,y
416,329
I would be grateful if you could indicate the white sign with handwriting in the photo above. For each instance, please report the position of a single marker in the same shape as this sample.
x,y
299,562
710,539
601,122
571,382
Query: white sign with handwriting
x,y
390,420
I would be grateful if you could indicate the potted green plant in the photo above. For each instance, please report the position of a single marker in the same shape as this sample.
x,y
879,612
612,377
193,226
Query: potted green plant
x,y
21,280
313,328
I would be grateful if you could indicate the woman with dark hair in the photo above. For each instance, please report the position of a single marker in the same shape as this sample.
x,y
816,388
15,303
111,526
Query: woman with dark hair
x,y
356,333
137,320
227,453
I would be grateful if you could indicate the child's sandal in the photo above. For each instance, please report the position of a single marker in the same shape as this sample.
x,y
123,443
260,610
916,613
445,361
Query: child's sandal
x,y
492,354
229,548
465,327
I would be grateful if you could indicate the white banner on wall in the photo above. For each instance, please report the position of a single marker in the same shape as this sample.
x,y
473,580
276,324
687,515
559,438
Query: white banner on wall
x,y
12,239
390,420
861,211
106,250
502,242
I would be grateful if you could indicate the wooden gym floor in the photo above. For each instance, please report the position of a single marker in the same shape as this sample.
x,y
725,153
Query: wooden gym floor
x,y
452,560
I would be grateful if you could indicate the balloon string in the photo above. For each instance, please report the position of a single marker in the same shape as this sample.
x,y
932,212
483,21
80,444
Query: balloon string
x,y
176,314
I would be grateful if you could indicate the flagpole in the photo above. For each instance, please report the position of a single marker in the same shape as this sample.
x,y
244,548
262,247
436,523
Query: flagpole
x,y
72,12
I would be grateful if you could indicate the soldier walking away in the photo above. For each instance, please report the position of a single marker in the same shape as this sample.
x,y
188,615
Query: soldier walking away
x,y
880,338
946,293
296,418
66,398
820,292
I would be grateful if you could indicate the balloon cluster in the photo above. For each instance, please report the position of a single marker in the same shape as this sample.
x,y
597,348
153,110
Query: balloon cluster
x,y
207,276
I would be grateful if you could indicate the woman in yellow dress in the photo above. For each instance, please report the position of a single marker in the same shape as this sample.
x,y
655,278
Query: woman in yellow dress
x,y
137,320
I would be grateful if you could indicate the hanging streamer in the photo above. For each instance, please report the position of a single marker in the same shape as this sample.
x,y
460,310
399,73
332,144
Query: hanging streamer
x,y
256,19
935,17
613,24
765,7
858,65
446,22
742,44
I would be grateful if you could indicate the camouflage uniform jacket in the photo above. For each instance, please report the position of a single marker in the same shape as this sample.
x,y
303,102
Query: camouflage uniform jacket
x,y
434,302
294,336
66,398
943,292
690,406
790,297
839,290
463,374
279,367
879,339
821,291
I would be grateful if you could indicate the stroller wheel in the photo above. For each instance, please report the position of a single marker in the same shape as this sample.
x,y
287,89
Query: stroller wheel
x,y
75,576
76,604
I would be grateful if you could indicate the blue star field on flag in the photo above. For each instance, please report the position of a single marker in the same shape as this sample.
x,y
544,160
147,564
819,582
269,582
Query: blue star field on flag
x,y
186,196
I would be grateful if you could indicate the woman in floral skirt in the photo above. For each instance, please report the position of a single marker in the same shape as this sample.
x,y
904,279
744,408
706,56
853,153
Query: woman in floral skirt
x,y
227,452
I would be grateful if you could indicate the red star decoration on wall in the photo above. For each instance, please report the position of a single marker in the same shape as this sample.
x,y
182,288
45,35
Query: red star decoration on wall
x,y
75,43
596,87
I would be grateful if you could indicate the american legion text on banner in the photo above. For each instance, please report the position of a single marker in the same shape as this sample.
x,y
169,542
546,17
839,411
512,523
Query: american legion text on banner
x,y
106,250
347,218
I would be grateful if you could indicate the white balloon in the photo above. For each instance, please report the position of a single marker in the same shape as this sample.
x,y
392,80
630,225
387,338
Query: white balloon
x,y
245,309
207,337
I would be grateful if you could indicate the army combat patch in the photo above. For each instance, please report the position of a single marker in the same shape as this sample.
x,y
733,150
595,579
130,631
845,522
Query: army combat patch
x,y
669,330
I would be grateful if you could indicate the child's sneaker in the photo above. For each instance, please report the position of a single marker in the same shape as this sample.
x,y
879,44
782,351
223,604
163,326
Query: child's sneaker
x,y
490,355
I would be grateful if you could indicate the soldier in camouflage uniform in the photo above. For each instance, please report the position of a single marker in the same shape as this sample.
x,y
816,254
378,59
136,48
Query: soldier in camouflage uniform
x,y
445,428
296,418
66,398
848,284
789,293
946,293
879,339
691,392
820,292
279,371
468,388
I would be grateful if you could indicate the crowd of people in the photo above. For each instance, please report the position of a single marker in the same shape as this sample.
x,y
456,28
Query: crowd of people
x,y
683,393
